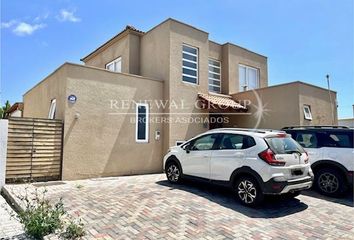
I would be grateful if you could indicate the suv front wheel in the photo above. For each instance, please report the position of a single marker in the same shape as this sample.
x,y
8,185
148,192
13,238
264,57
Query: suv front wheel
x,y
173,172
330,182
247,191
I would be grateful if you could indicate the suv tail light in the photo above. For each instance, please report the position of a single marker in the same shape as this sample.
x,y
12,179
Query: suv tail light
x,y
269,157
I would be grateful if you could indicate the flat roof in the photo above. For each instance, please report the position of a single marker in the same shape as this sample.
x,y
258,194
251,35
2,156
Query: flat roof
x,y
284,84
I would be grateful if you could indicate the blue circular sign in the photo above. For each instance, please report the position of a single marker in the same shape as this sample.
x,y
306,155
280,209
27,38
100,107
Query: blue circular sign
x,y
72,98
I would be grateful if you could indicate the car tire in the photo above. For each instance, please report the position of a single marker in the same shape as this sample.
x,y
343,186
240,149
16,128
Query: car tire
x,y
248,191
173,172
330,182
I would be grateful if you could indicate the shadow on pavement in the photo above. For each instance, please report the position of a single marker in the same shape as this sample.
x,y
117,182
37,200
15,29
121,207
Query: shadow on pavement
x,y
346,199
273,206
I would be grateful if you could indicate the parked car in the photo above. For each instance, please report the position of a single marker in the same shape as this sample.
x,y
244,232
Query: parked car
x,y
252,162
331,155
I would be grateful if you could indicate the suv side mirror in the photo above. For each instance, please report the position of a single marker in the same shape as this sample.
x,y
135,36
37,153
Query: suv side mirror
x,y
187,148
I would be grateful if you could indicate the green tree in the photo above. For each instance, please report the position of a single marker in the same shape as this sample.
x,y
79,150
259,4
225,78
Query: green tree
x,y
4,108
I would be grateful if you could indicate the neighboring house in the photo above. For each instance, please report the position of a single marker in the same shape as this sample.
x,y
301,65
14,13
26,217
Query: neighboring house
x,y
348,122
129,76
15,110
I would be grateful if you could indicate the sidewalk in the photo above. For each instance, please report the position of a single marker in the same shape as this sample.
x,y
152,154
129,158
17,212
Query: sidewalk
x,y
10,228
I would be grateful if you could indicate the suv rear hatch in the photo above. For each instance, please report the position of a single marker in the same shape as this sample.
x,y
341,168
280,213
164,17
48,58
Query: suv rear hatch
x,y
284,151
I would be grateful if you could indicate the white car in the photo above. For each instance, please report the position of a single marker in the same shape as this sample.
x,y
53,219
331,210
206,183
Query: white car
x,y
331,155
252,162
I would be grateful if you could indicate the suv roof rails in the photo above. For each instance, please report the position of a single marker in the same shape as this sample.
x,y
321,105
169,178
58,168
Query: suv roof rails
x,y
246,130
316,127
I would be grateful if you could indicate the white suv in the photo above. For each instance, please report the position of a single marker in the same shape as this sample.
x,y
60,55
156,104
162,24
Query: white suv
x,y
331,156
252,162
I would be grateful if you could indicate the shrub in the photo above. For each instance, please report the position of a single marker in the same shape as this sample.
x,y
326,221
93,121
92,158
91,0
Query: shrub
x,y
41,218
74,230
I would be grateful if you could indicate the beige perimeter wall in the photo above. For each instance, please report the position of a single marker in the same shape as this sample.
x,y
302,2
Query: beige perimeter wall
x,y
100,140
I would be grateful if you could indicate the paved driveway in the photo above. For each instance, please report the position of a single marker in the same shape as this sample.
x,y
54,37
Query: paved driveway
x,y
148,207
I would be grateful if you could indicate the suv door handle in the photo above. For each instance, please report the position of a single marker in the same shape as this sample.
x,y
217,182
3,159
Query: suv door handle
x,y
205,155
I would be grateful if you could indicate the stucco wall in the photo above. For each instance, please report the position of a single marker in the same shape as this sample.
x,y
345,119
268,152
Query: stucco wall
x,y
37,100
280,108
101,142
120,48
215,51
134,54
237,55
186,92
320,103
283,106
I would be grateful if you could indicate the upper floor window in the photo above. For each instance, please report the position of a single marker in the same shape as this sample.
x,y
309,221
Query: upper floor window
x,y
190,64
214,76
248,78
115,65
307,112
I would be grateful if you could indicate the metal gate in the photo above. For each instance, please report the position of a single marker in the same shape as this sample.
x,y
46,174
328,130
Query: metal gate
x,y
34,149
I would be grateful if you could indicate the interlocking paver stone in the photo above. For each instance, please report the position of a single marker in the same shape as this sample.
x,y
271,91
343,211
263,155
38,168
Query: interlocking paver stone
x,y
148,207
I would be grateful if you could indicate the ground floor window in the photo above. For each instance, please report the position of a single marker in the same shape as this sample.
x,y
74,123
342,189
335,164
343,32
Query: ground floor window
x,y
53,106
142,122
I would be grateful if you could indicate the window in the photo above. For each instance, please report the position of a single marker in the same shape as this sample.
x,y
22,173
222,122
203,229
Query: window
x,y
214,76
307,140
283,145
248,78
53,106
142,122
189,64
115,65
203,143
233,141
307,112
338,140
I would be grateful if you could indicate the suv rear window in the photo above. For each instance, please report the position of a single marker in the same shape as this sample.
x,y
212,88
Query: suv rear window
x,y
338,139
283,145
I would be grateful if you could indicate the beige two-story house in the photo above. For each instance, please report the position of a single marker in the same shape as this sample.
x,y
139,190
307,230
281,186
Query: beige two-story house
x,y
142,92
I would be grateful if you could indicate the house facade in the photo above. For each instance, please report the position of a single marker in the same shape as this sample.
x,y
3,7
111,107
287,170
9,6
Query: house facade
x,y
141,92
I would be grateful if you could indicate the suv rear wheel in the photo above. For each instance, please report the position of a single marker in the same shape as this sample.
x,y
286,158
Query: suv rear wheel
x,y
173,172
247,191
330,182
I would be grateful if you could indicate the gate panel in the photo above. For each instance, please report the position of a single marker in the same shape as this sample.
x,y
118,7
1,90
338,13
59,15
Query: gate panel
x,y
34,149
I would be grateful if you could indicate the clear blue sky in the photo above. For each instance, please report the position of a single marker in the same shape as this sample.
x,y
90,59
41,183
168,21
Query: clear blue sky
x,y
303,39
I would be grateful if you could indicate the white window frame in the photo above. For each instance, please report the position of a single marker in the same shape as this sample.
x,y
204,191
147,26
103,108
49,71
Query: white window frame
x,y
213,79
146,140
52,108
187,60
242,88
118,59
307,115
